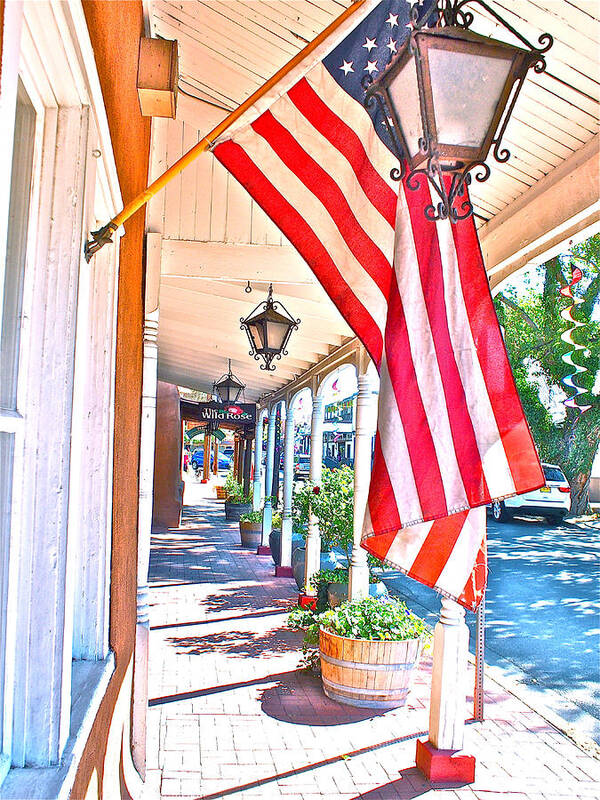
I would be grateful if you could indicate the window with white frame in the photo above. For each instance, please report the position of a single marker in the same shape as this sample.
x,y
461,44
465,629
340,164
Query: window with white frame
x,y
57,366
11,287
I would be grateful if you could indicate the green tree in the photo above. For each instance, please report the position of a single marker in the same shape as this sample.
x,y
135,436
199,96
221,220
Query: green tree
x,y
532,327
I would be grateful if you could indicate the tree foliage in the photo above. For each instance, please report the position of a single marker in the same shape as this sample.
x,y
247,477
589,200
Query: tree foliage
x,y
532,327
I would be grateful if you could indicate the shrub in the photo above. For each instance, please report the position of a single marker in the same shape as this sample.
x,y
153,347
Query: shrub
x,y
374,619
379,619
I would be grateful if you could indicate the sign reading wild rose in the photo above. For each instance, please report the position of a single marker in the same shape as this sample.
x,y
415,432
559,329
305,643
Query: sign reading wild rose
x,y
233,413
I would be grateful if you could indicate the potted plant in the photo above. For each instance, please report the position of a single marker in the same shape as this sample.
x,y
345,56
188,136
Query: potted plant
x,y
368,650
237,503
251,529
221,492
332,585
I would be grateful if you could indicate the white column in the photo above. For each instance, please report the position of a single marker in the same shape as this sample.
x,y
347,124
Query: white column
x,y
145,494
448,688
288,482
359,569
268,509
257,483
313,539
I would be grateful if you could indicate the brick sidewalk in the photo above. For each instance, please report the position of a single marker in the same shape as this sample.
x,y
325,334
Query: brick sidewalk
x,y
232,716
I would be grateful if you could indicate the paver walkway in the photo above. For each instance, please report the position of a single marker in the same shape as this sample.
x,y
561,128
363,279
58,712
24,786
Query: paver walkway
x,y
232,716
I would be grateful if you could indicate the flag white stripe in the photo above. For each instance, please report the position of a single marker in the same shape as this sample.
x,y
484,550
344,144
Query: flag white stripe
x,y
459,566
318,218
395,449
424,358
405,548
491,450
356,117
323,152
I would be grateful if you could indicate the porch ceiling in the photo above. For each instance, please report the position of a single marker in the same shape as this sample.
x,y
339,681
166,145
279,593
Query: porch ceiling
x,y
215,238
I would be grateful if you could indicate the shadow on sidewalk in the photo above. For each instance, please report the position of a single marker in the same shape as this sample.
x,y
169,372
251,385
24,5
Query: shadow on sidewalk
x,y
298,698
241,644
409,785
412,775
242,598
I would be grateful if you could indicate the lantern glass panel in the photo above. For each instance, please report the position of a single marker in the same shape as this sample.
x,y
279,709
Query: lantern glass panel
x,y
257,333
276,333
404,94
466,88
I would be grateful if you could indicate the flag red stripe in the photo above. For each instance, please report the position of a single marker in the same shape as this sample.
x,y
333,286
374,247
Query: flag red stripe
x,y
432,281
382,502
233,158
344,139
423,458
437,547
322,185
514,431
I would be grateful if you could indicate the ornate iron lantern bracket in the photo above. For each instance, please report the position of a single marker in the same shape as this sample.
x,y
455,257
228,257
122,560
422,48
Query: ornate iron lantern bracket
x,y
449,166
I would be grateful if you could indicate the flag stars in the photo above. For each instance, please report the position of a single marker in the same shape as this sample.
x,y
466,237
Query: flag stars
x,y
369,44
347,67
371,67
392,20
391,46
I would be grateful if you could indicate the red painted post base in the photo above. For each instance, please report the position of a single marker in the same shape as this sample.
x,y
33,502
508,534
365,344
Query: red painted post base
x,y
263,550
444,766
204,480
306,601
283,572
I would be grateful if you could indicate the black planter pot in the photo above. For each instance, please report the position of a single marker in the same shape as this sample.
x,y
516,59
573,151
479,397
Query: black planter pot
x,y
328,560
233,511
275,544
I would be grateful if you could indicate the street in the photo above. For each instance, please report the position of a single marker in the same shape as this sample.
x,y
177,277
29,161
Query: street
x,y
542,613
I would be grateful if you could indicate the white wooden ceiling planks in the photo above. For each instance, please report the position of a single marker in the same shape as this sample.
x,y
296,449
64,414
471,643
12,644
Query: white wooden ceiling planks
x,y
228,48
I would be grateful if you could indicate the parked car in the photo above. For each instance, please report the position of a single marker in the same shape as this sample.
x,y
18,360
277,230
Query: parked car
x,y
302,466
197,460
552,501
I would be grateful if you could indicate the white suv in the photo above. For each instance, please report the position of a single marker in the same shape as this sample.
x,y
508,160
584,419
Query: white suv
x,y
552,501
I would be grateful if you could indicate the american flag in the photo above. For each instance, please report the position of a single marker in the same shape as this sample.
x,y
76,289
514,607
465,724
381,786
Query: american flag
x,y
451,433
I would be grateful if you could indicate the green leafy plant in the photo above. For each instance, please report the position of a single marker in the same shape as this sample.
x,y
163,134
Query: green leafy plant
x,y
338,575
253,516
233,488
378,619
276,520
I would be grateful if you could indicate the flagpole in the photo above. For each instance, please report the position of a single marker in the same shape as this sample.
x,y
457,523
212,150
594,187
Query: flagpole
x,y
103,235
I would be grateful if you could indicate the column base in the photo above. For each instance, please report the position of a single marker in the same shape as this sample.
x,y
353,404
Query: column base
x,y
307,602
204,480
284,572
263,550
444,766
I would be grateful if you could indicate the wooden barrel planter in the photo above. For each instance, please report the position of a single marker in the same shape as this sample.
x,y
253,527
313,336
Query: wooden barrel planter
x,y
366,673
251,534
221,493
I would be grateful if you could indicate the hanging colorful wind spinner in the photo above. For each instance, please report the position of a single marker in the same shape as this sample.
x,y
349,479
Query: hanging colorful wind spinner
x,y
567,336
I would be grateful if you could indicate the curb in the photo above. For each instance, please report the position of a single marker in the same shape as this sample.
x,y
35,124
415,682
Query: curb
x,y
496,675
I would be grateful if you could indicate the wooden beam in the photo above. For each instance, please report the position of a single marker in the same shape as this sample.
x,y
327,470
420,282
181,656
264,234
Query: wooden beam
x,y
241,262
558,207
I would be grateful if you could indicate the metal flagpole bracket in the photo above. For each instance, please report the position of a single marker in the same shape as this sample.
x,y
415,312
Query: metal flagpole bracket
x,y
479,661
99,238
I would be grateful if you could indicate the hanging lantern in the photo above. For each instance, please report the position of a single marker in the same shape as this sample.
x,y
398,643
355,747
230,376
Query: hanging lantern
x,y
446,99
228,388
268,328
